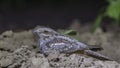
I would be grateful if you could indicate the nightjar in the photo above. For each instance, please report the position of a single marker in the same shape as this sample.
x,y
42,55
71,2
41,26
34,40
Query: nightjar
x,y
50,40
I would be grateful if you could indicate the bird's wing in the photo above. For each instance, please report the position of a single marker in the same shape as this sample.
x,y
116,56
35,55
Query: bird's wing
x,y
64,44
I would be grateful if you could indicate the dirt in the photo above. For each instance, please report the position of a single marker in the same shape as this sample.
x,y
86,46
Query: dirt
x,y
20,50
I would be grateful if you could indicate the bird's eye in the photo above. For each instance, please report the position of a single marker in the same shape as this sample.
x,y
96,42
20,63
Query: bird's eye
x,y
45,31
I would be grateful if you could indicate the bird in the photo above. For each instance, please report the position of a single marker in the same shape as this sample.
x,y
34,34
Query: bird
x,y
50,40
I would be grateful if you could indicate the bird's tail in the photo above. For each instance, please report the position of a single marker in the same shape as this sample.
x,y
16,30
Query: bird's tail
x,y
96,55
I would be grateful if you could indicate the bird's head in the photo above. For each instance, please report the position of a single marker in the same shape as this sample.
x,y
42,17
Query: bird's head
x,y
44,31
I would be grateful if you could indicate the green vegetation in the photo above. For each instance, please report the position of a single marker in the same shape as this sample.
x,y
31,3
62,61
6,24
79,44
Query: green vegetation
x,y
112,11
70,32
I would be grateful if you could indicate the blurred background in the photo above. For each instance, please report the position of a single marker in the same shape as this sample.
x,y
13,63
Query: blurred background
x,y
26,14
100,16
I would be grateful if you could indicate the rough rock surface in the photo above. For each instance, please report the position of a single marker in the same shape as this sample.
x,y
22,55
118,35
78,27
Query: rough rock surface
x,y
25,58
20,50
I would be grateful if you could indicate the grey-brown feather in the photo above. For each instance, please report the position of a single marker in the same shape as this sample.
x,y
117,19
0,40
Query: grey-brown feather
x,y
50,40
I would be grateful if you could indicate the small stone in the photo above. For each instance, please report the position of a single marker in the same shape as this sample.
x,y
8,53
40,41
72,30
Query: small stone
x,y
7,34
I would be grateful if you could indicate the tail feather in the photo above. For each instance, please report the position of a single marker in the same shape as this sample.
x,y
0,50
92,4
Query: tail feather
x,y
96,55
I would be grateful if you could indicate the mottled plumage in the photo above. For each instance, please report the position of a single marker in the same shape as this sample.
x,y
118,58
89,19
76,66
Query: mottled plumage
x,y
50,40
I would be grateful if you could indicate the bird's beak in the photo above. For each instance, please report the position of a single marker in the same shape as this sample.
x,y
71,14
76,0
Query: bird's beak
x,y
34,31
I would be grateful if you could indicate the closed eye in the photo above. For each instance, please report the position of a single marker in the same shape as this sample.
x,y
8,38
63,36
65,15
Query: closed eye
x,y
46,32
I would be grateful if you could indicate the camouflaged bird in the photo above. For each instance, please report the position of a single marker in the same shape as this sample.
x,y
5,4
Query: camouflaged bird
x,y
50,40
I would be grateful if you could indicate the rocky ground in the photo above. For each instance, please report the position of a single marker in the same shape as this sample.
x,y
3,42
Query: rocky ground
x,y
20,50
